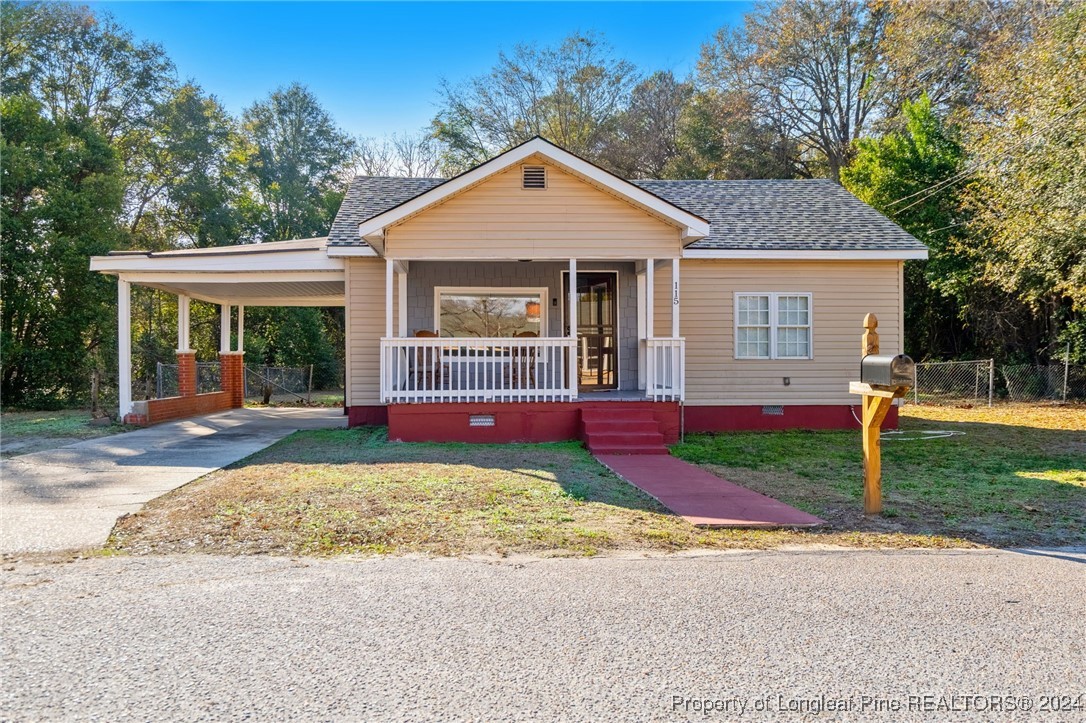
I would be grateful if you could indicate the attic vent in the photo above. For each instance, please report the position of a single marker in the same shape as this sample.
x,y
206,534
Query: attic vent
x,y
535,177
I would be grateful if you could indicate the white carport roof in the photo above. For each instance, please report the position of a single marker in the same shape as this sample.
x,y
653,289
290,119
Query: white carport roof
x,y
277,273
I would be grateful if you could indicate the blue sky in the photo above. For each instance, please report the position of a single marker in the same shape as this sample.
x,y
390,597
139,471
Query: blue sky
x,y
377,66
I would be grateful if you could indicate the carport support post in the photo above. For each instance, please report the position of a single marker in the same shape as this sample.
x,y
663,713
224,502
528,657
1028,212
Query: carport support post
x,y
241,329
186,358
124,347
224,328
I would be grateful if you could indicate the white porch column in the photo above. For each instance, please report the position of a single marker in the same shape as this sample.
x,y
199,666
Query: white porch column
x,y
401,290
389,271
674,297
572,304
650,298
184,306
124,347
224,328
241,328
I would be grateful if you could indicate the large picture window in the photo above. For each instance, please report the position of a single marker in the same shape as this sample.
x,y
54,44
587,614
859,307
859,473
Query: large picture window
x,y
469,312
772,326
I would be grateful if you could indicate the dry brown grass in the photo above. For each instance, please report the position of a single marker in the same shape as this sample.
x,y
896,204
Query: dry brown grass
x,y
336,491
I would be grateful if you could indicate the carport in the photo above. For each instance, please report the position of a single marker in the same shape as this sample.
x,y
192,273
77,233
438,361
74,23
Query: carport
x,y
279,273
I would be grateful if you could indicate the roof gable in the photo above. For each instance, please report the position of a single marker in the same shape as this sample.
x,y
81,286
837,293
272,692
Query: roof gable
x,y
691,225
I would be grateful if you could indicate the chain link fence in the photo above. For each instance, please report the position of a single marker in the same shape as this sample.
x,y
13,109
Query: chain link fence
x,y
208,379
1054,382
268,384
982,382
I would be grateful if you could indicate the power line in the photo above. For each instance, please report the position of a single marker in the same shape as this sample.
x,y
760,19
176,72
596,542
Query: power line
x,y
939,186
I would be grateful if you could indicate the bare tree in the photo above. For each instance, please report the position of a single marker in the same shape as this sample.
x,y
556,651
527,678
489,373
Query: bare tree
x,y
646,137
376,157
569,94
812,66
418,155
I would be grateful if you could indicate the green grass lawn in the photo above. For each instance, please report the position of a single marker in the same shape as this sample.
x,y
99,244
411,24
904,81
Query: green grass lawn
x,y
1008,476
332,491
25,432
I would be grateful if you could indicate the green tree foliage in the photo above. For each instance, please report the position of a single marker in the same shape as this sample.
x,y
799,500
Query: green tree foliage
x,y
570,94
721,137
299,164
893,173
1029,202
61,197
188,176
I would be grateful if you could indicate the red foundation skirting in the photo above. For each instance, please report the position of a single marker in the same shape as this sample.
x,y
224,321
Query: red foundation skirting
x,y
798,416
367,416
513,421
560,421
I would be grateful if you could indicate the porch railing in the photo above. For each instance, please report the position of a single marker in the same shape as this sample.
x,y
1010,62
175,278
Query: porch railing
x,y
665,369
472,370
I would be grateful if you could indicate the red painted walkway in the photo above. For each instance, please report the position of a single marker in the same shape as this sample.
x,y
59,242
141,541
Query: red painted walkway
x,y
702,498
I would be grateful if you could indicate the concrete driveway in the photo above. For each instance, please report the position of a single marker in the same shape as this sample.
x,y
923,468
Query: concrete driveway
x,y
69,498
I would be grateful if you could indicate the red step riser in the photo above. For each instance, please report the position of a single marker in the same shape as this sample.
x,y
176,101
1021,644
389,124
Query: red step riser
x,y
632,415
627,450
621,431
609,439
625,427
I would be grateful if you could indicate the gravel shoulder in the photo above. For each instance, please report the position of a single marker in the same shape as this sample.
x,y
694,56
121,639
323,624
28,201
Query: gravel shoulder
x,y
402,638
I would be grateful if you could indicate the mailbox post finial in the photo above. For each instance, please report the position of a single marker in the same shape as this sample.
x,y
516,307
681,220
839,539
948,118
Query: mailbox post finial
x,y
870,342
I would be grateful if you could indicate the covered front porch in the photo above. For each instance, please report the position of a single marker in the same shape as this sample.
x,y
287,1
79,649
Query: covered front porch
x,y
517,331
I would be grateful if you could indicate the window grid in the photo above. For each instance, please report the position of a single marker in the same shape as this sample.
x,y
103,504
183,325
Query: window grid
x,y
772,325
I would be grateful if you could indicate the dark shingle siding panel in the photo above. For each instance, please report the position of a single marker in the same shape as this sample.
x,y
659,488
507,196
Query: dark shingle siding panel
x,y
771,215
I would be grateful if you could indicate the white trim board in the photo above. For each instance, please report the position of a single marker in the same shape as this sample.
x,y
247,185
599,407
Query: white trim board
x,y
805,255
693,227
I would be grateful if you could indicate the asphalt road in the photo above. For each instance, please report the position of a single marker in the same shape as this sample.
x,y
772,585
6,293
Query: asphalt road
x,y
203,638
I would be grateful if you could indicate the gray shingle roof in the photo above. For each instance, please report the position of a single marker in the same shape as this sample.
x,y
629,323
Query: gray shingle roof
x,y
770,215
784,215
369,196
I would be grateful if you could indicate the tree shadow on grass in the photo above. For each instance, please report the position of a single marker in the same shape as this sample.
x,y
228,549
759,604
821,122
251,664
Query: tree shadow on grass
x,y
990,484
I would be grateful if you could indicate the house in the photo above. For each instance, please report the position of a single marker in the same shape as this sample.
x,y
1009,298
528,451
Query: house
x,y
537,290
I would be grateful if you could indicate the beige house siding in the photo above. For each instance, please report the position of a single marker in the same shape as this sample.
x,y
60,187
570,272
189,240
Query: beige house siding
x,y
365,304
499,219
842,292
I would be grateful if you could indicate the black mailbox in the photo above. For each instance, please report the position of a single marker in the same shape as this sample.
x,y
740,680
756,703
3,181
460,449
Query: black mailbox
x,y
887,370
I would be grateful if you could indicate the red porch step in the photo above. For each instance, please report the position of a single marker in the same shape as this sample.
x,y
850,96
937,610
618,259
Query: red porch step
x,y
620,430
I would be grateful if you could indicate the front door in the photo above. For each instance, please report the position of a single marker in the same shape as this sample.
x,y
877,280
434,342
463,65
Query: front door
x,y
597,329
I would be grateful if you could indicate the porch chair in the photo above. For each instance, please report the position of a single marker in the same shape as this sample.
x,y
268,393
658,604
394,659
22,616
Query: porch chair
x,y
428,364
523,361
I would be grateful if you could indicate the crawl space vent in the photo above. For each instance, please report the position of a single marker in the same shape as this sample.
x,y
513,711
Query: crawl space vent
x,y
481,420
773,411
535,177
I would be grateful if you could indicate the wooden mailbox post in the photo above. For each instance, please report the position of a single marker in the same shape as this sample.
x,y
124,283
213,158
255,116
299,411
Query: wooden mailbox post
x,y
877,400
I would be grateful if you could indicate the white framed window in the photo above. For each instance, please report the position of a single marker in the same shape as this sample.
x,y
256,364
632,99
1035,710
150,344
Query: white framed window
x,y
489,312
773,325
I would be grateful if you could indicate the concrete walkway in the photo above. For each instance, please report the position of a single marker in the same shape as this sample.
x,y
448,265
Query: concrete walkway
x,y
702,498
69,498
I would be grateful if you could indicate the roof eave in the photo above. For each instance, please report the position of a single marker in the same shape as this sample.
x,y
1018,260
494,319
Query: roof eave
x,y
808,254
